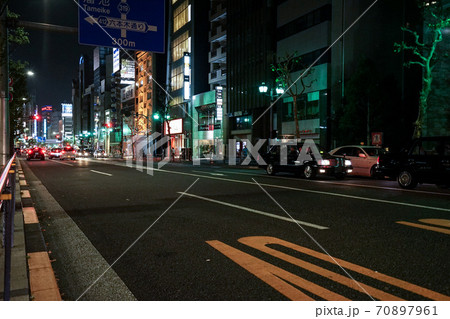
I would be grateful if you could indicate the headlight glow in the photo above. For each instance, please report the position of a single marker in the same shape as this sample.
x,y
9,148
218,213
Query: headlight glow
x,y
324,162
348,163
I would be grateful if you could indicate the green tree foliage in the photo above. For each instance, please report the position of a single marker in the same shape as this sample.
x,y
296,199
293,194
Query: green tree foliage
x,y
425,51
17,72
294,87
17,36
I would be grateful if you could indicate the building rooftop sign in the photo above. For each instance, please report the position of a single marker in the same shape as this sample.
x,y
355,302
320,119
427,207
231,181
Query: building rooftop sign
x,y
129,24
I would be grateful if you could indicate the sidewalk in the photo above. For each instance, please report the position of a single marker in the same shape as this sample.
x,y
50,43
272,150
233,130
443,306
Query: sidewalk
x,y
32,276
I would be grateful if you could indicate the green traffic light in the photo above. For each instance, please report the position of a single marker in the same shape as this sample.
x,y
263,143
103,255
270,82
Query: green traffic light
x,y
156,116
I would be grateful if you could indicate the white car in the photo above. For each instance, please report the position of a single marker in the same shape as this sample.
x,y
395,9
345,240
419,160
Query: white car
x,y
363,158
99,153
68,152
83,153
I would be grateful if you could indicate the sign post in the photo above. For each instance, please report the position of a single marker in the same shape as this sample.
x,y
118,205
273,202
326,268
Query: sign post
x,y
128,24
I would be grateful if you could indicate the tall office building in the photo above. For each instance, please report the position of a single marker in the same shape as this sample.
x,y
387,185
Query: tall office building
x,y
250,49
187,73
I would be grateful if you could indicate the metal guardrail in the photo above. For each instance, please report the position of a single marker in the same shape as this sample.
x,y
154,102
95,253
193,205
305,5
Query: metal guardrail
x,y
8,205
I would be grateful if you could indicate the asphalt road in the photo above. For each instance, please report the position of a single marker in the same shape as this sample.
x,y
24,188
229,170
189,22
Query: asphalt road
x,y
218,233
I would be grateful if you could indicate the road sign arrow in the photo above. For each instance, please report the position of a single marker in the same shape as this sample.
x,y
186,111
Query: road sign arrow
x,y
129,25
91,20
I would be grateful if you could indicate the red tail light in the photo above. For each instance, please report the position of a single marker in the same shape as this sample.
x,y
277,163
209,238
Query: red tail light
x,y
378,160
73,152
63,152
29,152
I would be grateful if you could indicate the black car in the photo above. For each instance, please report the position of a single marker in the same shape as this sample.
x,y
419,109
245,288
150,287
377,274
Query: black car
x,y
426,160
36,153
305,164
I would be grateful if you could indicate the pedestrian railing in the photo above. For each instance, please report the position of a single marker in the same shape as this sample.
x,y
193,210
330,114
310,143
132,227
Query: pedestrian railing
x,y
8,206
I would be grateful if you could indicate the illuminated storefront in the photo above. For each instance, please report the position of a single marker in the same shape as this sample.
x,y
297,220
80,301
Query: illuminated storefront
x,y
208,131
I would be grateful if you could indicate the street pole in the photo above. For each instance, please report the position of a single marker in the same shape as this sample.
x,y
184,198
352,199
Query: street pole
x,y
5,126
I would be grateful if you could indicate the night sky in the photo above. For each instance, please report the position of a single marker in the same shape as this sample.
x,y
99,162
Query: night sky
x,y
52,56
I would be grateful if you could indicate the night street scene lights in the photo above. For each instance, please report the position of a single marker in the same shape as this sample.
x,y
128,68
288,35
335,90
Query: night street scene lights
x,y
273,93
263,88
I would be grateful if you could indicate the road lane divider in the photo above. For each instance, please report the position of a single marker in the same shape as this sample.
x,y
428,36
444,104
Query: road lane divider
x,y
286,283
102,173
445,223
296,189
254,211
59,162
310,191
210,173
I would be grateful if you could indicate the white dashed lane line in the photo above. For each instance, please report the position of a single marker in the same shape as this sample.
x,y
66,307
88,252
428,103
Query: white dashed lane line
x,y
102,173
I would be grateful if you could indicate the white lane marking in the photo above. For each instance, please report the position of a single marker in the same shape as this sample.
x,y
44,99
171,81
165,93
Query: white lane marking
x,y
382,187
214,174
313,191
301,189
251,210
107,174
342,184
239,173
59,162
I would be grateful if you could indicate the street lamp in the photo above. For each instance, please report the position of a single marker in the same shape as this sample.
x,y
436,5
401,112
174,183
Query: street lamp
x,y
273,93
30,73
263,88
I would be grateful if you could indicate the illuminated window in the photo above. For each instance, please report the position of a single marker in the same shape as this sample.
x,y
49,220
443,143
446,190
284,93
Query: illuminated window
x,y
177,78
176,100
181,15
181,45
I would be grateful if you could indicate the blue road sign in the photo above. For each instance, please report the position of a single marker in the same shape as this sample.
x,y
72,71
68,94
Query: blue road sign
x,y
129,24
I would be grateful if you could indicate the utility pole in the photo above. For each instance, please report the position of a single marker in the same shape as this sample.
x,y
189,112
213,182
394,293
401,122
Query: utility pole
x,y
5,150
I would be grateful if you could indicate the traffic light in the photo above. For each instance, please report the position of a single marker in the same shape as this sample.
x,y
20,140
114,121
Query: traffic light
x,y
108,125
35,117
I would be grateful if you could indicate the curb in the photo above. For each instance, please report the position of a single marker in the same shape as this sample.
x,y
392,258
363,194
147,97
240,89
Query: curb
x,y
43,283
19,284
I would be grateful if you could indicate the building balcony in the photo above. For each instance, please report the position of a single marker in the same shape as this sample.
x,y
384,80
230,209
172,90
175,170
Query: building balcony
x,y
217,76
218,55
217,13
218,34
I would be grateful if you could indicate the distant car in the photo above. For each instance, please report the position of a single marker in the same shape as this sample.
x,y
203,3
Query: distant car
x,y
36,153
363,158
99,153
68,152
309,168
426,160
55,153
84,152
